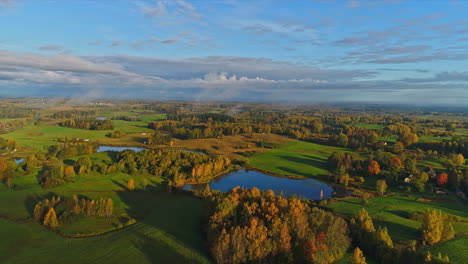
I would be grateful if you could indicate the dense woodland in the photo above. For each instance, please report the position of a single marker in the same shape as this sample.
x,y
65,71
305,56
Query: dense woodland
x,y
250,226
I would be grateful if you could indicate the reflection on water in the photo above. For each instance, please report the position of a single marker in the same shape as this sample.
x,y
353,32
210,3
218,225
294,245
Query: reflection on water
x,y
109,148
305,188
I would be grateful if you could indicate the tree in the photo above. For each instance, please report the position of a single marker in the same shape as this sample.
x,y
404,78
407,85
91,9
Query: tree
x,y
436,227
373,168
459,160
384,237
357,257
69,173
50,219
409,139
398,147
342,140
442,179
395,164
381,186
131,184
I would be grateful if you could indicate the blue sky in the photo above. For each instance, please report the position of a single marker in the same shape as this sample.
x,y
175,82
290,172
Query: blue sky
x,y
379,51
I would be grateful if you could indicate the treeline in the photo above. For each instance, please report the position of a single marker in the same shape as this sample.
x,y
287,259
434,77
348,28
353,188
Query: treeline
x,y
53,176
70,149
12,111
192,129
455,145
89,124
250,226
178,167
51,212
74,114
126,118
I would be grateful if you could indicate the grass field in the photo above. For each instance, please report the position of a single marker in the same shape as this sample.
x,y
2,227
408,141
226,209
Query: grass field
x,y
296,158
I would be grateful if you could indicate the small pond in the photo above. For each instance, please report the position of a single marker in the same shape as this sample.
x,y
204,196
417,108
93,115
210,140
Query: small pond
x,y
303,188
109,148
18,161
101,118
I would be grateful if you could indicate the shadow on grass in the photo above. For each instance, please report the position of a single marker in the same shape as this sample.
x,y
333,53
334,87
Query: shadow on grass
x,y
448,208
398,231
169,229
311,161
157,252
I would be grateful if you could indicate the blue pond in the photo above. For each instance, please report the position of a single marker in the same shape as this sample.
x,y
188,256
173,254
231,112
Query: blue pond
x,y
303,188
109,148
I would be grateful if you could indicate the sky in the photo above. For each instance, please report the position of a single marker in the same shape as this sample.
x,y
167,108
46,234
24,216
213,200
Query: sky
x,y
305,51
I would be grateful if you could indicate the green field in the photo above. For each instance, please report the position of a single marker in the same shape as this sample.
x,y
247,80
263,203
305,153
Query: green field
x,y
394,213
296,158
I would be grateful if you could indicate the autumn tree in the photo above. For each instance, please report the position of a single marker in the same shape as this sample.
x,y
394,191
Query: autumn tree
x,y
373,168
436,227
69,173
383,237
357,257
131,184
442,179
381,186
50,219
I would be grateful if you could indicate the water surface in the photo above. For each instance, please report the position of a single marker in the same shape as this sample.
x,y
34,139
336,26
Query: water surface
x,y
109,148
303,188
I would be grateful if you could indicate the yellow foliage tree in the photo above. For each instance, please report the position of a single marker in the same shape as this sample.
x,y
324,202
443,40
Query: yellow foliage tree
x,y
50,219
358,257
131,184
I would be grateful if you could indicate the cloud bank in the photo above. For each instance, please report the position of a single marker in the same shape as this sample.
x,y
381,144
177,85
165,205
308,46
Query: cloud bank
x,y
213,78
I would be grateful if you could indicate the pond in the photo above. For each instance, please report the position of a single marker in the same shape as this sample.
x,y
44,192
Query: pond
x,y
109,148
303,188
18,161
101,118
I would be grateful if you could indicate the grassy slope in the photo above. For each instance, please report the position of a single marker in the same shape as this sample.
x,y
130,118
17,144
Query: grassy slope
x,y
296,158
170,234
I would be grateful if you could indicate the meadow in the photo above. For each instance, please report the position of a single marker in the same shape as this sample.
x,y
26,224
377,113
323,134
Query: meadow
x,y
296,158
